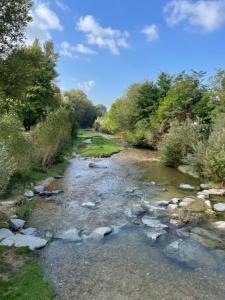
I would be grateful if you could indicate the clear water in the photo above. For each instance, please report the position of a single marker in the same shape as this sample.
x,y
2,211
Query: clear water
x,y
124,265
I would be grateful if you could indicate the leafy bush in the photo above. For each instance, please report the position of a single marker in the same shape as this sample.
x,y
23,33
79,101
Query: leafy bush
x,y
17,145
51,137
7,167
214,159
179,142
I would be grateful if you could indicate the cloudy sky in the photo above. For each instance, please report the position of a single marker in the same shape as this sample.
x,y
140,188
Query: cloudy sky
x,y
105,45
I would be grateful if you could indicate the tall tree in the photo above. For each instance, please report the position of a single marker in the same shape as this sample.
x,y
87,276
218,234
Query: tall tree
x,y
14,16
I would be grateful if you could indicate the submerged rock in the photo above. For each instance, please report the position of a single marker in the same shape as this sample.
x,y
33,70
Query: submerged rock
x,y
4,233
20,240
163,203
154,234
152,222
131,189
219,207
97,166
136,210
89,204
17,223
70,235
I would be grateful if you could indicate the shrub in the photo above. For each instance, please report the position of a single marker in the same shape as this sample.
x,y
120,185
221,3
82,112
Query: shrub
x,y
179,142
214,159
17,144
51,137
7,167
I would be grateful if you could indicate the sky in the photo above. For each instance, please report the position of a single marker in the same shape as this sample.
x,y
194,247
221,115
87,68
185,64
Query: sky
x,y
106,45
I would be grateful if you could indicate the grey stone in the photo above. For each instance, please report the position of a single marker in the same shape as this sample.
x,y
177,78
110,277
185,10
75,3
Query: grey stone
x,y
154,234
57,192
188,187
58,177
28,231
156,211
204,186
89,204
131,189
175,200
219,225
20,240
163,202
219,207
172,206
4,233
29,194
17,223
70,235
152,222
183,233
175,222
87,142
100,232
39,189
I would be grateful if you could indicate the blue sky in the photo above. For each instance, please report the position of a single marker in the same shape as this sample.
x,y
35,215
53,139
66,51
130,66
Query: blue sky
x,y
105,45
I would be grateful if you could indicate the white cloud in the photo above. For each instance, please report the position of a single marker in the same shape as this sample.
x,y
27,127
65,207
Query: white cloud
x,y
207,15
112,39
69,50
62,5
86,86
44,20
151,32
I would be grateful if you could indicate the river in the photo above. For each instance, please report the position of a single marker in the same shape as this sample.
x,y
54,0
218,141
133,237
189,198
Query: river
x,y
125,265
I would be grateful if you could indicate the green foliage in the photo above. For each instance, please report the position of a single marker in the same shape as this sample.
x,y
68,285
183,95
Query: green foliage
x,y
51,137
7,167
13,19
100,110
179,142
24,209
83,111
214,158
3,221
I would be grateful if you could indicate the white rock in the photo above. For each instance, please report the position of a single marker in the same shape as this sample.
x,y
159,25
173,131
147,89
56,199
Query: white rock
x,y
175,200
17,223
172,206
70,235
29,194
87,142
152,222
201,197
100,232
39,188
175,222
216,192
7,242
208,203
204,186
185,186
220,207
219,224
88,204
4,233
154,234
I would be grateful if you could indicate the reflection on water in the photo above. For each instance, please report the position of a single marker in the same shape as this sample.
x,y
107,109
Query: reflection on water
x,y
124,265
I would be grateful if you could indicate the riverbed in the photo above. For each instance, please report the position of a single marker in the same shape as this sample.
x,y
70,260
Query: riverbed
x,y
125,264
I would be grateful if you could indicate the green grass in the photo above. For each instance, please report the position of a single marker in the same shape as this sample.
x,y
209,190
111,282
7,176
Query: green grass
x,y
26,283
3,220
100,147
24,209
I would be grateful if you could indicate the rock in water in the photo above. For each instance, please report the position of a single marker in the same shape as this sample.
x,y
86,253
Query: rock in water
x,y
154,234
17,223
28,231
188,187
100,232
20,240
70,235
152,222
88,204
4,233
219,207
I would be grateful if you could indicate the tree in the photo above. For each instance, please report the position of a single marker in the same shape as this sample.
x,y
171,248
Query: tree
x,y
100,110
14,16
27,83
83,109
164,83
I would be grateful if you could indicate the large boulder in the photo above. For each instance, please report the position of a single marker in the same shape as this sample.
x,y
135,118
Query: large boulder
x,y
219,207
219,225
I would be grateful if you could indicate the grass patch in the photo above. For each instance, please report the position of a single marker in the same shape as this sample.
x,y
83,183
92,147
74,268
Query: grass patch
x,y
4,220
26,283
24,209
100,147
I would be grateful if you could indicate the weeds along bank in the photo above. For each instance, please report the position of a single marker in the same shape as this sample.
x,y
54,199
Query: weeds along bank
x,y
182,116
